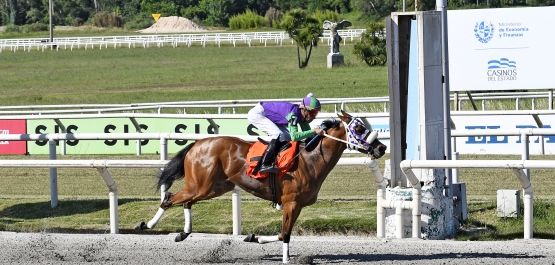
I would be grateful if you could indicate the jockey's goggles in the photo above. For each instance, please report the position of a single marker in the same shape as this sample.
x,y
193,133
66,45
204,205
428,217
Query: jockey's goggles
x,y
313,113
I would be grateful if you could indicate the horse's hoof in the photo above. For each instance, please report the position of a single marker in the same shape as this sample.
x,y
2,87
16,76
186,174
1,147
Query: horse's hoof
x,y
181,236
251,238
141,226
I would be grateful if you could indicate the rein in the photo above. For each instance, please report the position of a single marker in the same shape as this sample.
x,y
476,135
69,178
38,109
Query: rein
x,y
355,139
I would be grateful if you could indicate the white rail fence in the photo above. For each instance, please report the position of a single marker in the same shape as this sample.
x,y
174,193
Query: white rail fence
x,y
103,165
58,118
484,98
521,168
160,40
222,106
517,166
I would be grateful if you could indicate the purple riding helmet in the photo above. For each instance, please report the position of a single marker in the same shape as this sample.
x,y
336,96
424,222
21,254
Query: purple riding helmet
x,y
310,103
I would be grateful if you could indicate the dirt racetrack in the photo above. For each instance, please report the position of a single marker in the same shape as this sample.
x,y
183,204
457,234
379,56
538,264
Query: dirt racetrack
x,y
43,248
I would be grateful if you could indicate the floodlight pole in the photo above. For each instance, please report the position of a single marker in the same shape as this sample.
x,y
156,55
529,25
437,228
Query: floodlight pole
x,y
50,18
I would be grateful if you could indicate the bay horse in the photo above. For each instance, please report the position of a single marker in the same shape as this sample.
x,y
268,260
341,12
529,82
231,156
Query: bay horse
x,y
214,166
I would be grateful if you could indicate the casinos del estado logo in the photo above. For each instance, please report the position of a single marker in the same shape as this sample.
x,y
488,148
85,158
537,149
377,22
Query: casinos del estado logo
x,y
502,70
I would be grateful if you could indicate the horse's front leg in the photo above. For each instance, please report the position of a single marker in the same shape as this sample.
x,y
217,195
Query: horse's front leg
x,y
291,211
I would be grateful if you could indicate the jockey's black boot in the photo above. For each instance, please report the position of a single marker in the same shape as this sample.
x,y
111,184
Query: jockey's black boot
x,y
269,158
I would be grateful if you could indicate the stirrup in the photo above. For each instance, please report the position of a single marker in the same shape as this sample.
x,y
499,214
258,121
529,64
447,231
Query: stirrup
x,y
270,169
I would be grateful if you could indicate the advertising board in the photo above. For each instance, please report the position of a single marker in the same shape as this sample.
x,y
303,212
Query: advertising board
x,y
115,125
464,145
12,147
502,144
148,125
501,48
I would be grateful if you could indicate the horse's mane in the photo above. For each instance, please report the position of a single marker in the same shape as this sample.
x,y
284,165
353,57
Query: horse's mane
x,y
326,125
329,124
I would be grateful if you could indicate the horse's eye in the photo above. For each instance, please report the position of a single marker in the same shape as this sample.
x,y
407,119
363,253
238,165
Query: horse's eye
x,y
360,129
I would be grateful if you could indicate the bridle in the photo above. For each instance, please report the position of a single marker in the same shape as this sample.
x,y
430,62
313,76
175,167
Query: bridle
x,y
355,140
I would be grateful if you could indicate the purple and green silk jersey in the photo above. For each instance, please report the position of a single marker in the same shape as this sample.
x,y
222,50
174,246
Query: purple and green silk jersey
x,y
282,113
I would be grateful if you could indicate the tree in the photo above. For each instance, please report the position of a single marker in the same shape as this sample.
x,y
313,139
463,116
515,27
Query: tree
x,y
12,12
287,5
165,7
372,47
304,30
217,11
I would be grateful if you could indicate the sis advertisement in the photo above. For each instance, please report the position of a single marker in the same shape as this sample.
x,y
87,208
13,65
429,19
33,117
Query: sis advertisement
x,y
464,145
115,125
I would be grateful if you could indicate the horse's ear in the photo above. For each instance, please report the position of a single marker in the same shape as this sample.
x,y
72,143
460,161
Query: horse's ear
x,y
344,116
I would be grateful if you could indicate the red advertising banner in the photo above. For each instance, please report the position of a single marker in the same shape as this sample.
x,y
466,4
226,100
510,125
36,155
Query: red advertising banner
x,y
13,127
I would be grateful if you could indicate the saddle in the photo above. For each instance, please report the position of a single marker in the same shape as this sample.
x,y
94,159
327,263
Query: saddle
x,y
283,161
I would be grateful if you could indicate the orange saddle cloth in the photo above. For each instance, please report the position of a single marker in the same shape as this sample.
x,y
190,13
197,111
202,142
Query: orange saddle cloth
x,y
283,161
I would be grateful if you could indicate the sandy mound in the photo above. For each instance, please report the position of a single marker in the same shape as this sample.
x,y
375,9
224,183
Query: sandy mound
x,y
172,25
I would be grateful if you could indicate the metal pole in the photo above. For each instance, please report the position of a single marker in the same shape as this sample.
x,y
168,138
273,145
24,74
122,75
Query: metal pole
x,y
113,199
53,175
525,151
236,210
163,156
50,7
550,100
442,6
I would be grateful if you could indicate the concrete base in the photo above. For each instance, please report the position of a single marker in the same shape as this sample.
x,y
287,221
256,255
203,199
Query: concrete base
x,y
335,59
508,203
437,209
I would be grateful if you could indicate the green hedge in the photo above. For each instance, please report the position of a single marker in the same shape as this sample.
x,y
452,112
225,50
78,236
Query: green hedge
x,y
248,20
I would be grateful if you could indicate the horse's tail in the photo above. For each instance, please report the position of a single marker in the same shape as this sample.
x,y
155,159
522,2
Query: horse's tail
x,y
174,170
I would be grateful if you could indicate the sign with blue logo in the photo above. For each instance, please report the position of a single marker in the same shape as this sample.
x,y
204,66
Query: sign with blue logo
x,y
502,144
501,49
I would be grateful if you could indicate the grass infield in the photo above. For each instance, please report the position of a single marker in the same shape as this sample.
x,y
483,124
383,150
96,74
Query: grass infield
x,y
346,202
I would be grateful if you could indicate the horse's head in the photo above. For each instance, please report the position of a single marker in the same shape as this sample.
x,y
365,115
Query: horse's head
x,y
359,136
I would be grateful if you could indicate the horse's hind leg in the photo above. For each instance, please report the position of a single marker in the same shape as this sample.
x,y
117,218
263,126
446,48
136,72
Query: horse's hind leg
x,y
188,228
166,203
188,198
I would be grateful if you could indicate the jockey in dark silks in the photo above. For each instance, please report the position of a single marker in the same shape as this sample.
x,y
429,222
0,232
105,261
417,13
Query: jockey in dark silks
x,y
284,122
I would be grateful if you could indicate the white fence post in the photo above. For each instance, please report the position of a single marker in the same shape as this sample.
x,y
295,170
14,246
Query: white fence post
x,y
53,174
236,210
113,198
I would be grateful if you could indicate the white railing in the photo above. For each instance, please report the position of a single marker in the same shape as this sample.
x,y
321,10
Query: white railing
x,y
103,165
160,40
219,105
517,166
483,98
232,105
58,118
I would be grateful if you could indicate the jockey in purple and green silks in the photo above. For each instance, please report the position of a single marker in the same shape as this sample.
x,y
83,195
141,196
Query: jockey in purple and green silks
x,y
281,121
